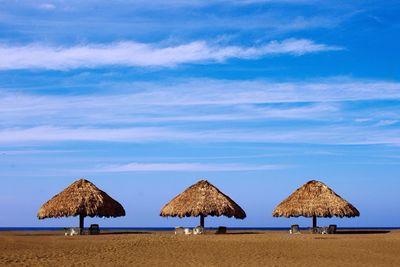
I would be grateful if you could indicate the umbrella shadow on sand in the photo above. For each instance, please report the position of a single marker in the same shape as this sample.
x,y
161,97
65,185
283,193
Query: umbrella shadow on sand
x,y
126,233
361,232
242,233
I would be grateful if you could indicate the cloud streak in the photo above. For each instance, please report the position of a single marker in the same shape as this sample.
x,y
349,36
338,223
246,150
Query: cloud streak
x,y
332,135
134,54
319,112
199,100
47,6
187,167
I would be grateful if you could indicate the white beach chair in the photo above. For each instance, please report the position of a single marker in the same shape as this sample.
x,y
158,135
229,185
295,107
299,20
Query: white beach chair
x,y
188,231
316,230
198,230
324,230
71,231
179,230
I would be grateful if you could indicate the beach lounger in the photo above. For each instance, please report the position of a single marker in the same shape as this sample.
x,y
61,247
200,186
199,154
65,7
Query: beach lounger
x,y
198,230
324,230
71,231
332,229
94,229
221,230
316,230
294,229
188,231
179,230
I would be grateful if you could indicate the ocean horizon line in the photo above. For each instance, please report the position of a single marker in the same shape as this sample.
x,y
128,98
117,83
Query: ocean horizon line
x,y
173,228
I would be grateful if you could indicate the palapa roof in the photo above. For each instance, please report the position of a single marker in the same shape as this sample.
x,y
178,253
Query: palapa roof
x,y
314,198
204,199
81,198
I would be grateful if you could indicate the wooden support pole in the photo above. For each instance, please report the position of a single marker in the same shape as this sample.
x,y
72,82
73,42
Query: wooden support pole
x,y
81,223
314,221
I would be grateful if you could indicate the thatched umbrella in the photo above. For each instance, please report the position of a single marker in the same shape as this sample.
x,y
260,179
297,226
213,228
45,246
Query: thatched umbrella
x,y
84,199
202,199
314,199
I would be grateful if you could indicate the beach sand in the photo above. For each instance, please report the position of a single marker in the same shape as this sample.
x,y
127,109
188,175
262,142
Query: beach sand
x,y
239,248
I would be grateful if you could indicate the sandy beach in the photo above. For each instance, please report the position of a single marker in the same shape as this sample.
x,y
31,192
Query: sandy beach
x,y
237,248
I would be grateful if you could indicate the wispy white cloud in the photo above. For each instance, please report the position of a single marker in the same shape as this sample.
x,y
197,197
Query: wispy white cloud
x,y
200,3
236,2
246,111
57,134
192,92
30,151
220,92
47,6
334,135
77,5
37,56
24,109
387,122
187,167
201,100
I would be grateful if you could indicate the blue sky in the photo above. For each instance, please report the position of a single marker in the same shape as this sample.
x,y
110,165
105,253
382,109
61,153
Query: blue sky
x,y
144,99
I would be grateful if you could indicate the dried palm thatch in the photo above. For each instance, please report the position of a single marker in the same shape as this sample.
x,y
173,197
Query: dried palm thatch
x,y
315,199
81,198
202,199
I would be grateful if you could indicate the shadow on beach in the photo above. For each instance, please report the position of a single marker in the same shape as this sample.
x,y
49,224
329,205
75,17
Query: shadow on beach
x,y
62,233
38,234
240,233
361,232
126,233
